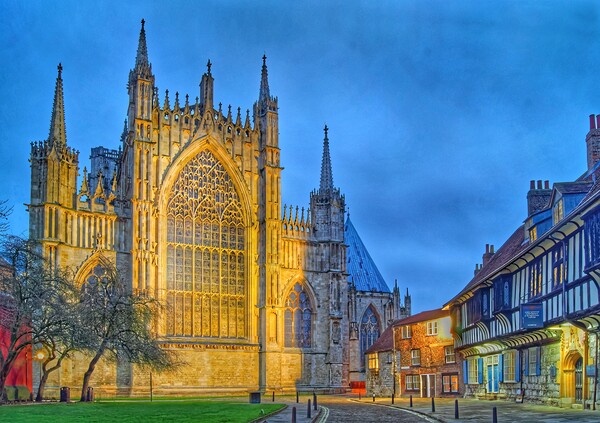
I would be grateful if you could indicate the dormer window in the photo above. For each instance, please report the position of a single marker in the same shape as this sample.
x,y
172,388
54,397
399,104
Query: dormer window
x,y
558,212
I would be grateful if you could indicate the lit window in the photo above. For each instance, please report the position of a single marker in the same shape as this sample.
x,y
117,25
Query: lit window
x,y
373,362
450,383
449,354
432,328
415,357
406,332
412,382
558,212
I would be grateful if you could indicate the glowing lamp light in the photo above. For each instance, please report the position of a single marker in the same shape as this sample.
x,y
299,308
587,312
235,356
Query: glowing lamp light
x,y
40,355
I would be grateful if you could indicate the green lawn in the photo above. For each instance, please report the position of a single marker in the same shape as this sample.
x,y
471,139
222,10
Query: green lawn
x,y
146,412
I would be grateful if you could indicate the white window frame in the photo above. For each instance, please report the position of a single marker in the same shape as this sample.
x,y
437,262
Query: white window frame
x,y
432,328
415,357
449,354
406,332
473,376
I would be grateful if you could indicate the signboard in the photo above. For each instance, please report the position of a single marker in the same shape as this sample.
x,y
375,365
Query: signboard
x,y
532,316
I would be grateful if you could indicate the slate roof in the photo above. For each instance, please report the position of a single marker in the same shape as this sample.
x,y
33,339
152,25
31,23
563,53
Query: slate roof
x,y
360,266
512,247
386,343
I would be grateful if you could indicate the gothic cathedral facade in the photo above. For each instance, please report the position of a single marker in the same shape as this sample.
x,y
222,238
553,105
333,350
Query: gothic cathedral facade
x,y
258,295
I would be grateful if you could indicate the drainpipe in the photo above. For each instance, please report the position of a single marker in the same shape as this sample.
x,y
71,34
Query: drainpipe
x,y
595,374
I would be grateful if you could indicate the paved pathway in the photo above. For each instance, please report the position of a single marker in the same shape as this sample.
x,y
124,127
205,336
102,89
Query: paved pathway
x,y
349,409
481,411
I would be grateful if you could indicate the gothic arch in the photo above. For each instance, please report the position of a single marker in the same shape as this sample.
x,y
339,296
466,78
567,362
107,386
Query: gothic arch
x,y
191,150
314,298
369,329
205,244
298,316
96,259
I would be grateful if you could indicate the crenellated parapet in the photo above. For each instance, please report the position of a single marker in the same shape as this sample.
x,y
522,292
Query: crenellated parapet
x,y
40,150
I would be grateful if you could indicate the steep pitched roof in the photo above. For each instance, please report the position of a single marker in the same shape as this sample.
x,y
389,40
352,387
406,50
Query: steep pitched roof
x,y
422,317
386,341
361,268
513,246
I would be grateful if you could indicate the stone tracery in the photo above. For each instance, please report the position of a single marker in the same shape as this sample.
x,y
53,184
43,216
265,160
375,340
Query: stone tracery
x,y
206,275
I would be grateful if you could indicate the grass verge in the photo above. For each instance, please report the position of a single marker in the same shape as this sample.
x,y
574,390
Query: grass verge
x,y
147,412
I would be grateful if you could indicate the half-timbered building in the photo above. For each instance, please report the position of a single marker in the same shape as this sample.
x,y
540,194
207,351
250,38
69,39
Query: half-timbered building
x,y
527,323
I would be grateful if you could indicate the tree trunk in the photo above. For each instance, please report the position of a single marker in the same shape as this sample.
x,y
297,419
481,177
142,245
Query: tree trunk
x,y
88,374
3,397
45,373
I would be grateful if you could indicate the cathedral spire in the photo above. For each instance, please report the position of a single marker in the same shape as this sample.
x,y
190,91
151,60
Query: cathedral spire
x,y
141,59
326,174
58,132
264,93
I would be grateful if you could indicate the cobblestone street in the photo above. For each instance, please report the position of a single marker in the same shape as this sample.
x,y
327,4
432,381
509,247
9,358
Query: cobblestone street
x,y
349,409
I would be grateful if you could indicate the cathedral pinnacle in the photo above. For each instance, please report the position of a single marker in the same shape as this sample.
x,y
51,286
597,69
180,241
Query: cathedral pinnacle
x,y
58,132
326,174
142,65
264,82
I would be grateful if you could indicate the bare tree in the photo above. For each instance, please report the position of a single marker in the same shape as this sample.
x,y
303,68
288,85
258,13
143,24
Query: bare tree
x,y
117,324
61,338
31,306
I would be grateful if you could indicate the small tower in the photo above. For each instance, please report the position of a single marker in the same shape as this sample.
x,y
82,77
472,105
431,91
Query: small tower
x,y
207,89
328,209
141,90
269,223
326,203
53,170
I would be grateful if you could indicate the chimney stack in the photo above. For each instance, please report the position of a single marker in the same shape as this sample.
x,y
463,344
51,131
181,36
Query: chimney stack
x,y
538,196
489,252
592,141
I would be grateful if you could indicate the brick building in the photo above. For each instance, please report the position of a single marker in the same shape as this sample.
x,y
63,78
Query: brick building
x,y
415,356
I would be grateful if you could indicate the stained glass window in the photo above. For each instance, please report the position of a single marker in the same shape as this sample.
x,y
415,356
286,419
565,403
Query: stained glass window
x,y
369,331
298,318
206,239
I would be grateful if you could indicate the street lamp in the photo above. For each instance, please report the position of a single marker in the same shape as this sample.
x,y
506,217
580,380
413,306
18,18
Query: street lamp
x,y
40,356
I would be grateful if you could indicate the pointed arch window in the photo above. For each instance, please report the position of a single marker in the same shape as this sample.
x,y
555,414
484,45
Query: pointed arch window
x,y
206,253
369,331
298,318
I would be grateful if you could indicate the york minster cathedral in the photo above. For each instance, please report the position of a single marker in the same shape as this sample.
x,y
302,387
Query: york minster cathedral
x,y
258,295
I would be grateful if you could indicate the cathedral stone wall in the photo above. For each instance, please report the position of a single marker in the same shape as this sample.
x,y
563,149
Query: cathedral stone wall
x,y
189,209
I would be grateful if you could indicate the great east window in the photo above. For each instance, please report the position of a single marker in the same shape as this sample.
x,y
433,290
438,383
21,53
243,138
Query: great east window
x,y
206,253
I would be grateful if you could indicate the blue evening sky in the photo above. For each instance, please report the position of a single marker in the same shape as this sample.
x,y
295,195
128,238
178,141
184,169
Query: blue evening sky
x,y
439,112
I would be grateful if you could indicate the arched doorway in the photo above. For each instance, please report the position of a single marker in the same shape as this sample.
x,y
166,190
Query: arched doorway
x,y
573,377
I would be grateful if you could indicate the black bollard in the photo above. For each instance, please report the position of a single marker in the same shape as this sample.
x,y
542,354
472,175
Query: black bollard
x,y
456,409
308,410
296,397
315,402
293,414
359,395
494,415
432,405
411,401
392,399
273,396
373,397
